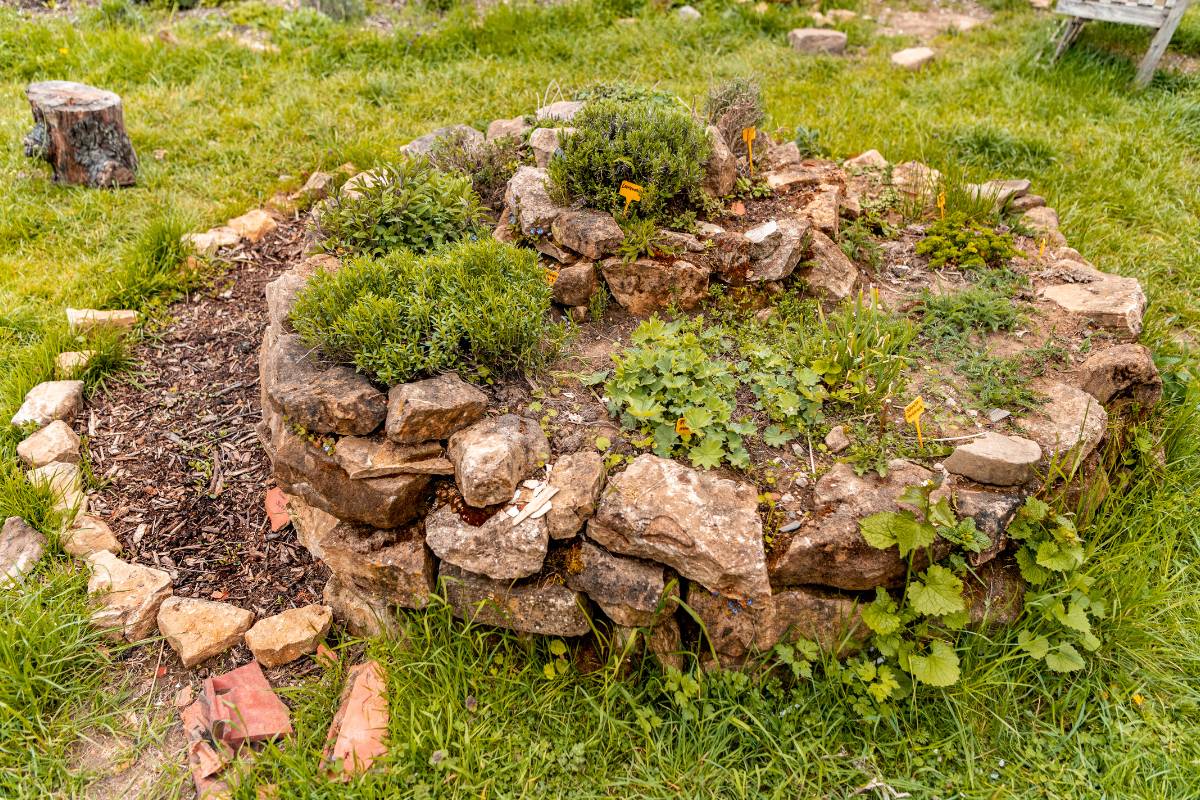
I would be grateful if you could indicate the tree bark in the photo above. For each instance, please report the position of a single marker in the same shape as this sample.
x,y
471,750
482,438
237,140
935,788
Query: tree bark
x,y
80,130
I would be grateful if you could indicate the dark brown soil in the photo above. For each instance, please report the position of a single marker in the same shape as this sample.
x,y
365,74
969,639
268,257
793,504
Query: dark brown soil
x,y
184,476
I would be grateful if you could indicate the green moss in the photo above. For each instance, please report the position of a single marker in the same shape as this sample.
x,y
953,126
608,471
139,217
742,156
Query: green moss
x,y
959,242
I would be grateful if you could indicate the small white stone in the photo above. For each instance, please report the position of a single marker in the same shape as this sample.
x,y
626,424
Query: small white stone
x,y
84,320
49,401
687,13
55,442
913,58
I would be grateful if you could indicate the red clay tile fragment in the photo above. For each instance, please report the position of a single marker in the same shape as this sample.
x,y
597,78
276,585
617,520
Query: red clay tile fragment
x,y
356,736
204,761
242,707
276,504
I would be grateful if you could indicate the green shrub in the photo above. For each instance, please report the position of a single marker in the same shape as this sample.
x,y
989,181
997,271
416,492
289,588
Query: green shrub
x,y
975,310
671,387
411,205
488,165
661,149
476,307
956,241
808,140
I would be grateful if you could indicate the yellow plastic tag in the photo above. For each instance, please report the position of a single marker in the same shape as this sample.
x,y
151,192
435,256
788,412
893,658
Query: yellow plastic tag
x,y
681,427
941,201
1042,248
748,136
631,192
912,415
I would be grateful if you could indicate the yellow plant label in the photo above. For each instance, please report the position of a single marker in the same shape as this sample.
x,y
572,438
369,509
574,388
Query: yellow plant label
x,y
551,276
912,415
631,192
941,201
748,136
1042,248
681,427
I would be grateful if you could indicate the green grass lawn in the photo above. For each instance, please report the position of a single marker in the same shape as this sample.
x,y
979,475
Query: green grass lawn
x,y
233,125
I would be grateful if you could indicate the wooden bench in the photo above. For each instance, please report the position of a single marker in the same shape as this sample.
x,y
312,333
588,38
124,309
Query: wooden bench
x,y
1162,15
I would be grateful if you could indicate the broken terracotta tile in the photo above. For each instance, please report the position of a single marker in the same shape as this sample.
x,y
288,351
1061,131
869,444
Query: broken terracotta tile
x,y
243,707
276,505
204,761
356,736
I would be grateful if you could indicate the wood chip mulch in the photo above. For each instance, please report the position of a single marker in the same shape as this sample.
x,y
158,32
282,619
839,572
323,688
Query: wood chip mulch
x,y
184,477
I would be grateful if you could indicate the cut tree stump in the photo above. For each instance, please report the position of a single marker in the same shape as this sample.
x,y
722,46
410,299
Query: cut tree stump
x,y
80,130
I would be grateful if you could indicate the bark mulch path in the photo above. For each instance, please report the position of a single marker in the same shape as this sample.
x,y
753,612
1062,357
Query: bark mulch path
x,y
184,476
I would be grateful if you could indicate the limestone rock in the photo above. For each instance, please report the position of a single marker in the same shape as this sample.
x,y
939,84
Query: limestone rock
x,y
687,13
550,609
494,455
720,171
392,565
363,458
496,549
311,523
49,401
65,483
363,614
514,128
782,155
1121,374
592,234
1042,219
912,58
705,527
630,591
528,197
281,299
1071,420
990,509
284,637
579,477
318,398
817,40
823,208
318,186
70,363
829,550
575,284
253,225
871,159
644,286
309,471
1000,192
431,409
55,442
916,180
21,547
563,110
197,630
423,145
86,320
208,242
994,595
837,440
1113,303
996,459
832,275
128,596
776,248
545,142
89,535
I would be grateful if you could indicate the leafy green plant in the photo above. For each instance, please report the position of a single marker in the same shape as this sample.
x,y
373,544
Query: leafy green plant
x,y
671,388
339,10
749,188
958,242
912,630
478,307
1061,603
973,310
858,244
642,238
409,205
662,149
809,142
488,165
624,92
871,449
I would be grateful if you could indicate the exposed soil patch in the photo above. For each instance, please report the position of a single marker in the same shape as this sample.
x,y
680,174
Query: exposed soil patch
x,y
183,474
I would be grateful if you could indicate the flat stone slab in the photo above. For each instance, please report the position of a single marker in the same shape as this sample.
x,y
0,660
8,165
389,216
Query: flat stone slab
x,y
912,58
1070,421
128,596
197,630
284,637
632,592
996,459
432,409
21,547
1114,303
817,40
50,401
89,535
496,549
86,320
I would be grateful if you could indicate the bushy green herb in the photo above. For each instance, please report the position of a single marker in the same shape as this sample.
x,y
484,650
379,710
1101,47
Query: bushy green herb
x,y
478,307
410,205
671,387
488,165
641,239
974,310
809,142
662,149
871,448
749,188
958,242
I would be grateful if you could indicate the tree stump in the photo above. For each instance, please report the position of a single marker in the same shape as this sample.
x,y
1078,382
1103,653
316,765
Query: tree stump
x,y
80,130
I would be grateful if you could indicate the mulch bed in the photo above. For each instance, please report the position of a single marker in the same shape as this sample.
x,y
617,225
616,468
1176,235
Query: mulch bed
x,y
183,475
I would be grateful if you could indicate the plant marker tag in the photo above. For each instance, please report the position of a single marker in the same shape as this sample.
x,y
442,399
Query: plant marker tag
x,y
941,201
912,415
681,427
748,136
551,276
631,192
1042,248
